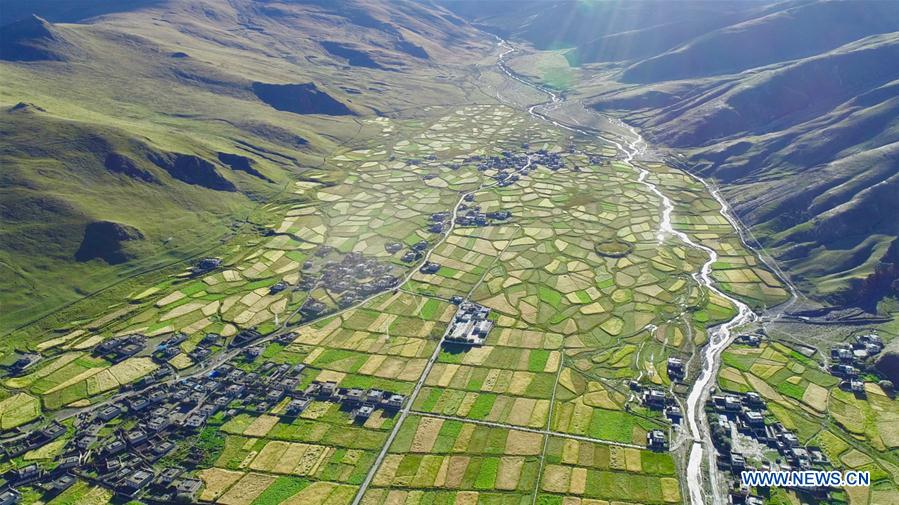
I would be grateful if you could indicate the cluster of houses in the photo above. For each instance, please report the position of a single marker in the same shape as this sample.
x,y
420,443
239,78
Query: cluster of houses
x,y
415,252
749,339
121,348
848,358
312,307
657,441
660,401
354,277
509,168
505,162
429,267
470,324
439,222
147,425
23,363
10,496
677,371
472,216
361,402
206,265
169,348
552,161
745,414
468,215
32,440
278,287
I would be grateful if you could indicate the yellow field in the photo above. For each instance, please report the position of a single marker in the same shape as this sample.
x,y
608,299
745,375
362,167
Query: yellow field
x,y
18,410
247,489
216,481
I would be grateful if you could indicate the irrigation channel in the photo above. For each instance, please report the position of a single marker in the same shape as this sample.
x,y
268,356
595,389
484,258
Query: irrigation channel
x,y
720,336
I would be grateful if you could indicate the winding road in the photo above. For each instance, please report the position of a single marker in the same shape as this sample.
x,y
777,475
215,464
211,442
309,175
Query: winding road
x,y
719,336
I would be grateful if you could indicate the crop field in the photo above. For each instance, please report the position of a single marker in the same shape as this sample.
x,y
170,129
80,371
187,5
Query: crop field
x,y
75,376
854,432
83,494
584,296
445,461
781,375
265,459
586,470
17,410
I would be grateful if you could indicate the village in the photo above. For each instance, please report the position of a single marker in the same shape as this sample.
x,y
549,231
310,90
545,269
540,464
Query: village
x,y
743,433
747,437
118,445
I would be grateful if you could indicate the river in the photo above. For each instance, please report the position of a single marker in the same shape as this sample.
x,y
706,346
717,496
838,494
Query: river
x,y
719,337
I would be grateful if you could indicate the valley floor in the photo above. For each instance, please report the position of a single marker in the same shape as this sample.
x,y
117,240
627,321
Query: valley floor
x,y
357,278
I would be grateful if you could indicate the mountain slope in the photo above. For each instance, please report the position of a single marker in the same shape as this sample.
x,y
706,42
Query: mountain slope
x,y
149,132
800,31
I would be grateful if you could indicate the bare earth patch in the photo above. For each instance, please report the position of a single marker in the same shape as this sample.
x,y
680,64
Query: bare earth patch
x,y
216,481
245,491
261,425
523,443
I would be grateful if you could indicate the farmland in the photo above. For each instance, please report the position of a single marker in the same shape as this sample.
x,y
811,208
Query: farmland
x,y
368,252
450,460
584,297
552,232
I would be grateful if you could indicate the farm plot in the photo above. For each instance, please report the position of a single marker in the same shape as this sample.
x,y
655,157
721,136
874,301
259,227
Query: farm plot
x,y
577,418
449,458
82,493
492,380
320,456
464,257
384,344
17,410
595,471
503,357
778,373
312,460
322,423
75,376
518,411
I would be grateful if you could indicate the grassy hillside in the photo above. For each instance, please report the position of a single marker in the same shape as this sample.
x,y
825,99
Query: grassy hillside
x,y
143,136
